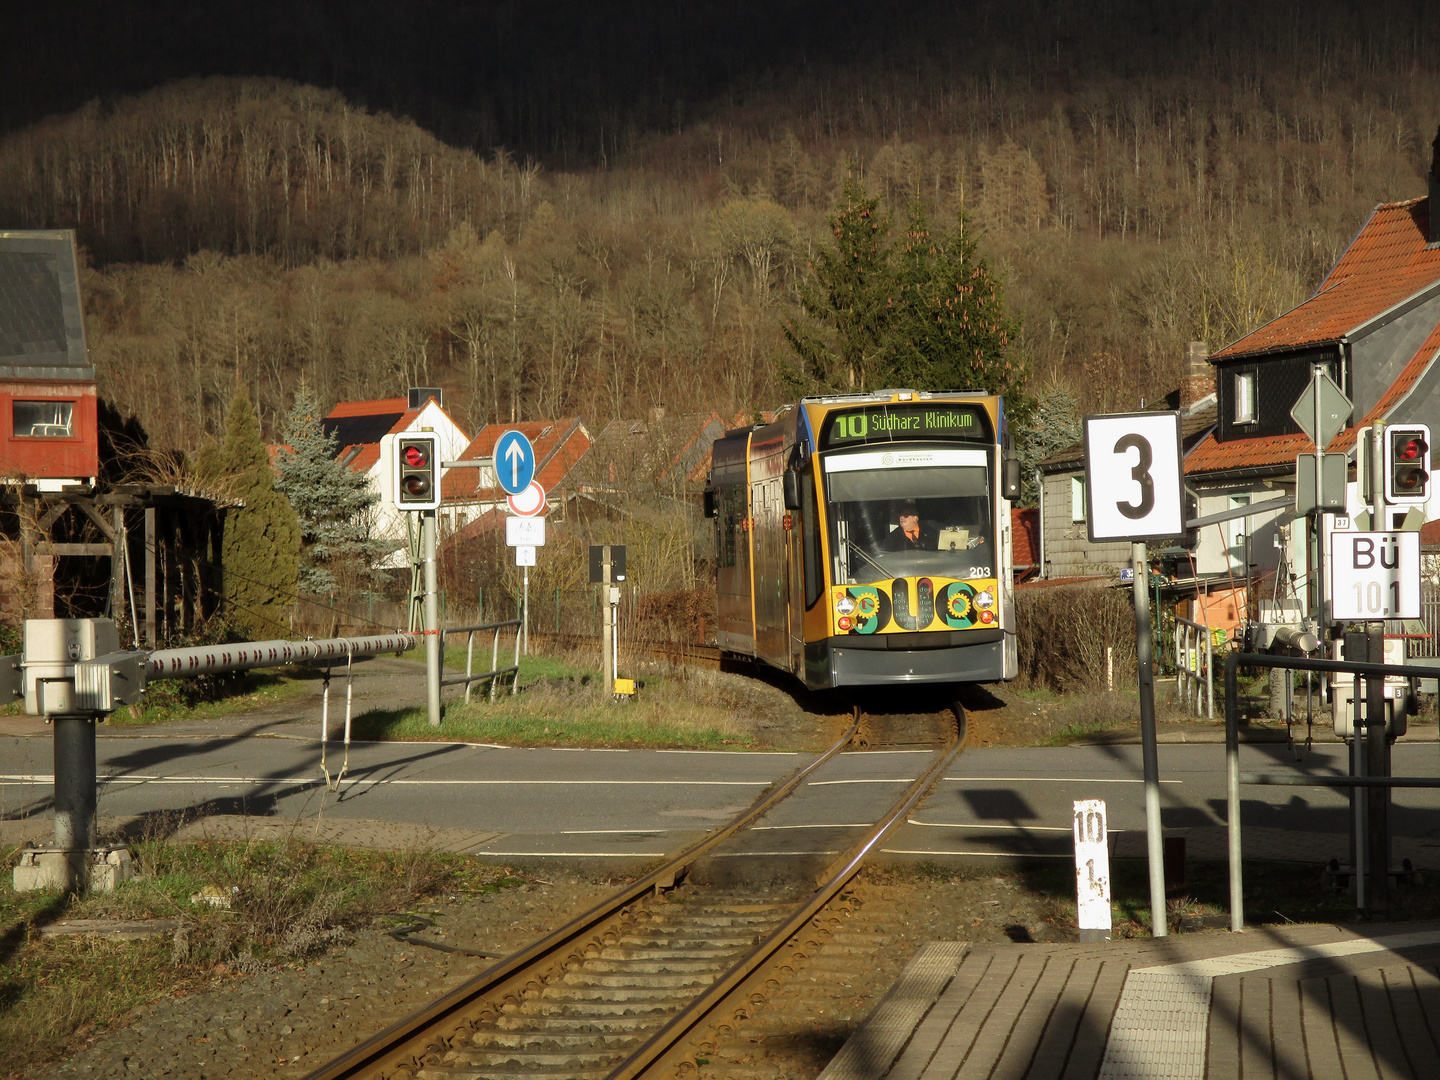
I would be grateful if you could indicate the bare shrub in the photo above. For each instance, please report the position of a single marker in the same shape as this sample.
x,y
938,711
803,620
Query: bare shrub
x,y
1063,634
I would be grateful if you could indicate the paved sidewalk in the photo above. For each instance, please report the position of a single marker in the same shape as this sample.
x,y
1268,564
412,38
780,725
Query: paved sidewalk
x,y
1291,1003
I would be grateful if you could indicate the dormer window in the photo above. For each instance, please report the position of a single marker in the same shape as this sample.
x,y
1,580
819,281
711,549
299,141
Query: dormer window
x,y
1245,397
44,419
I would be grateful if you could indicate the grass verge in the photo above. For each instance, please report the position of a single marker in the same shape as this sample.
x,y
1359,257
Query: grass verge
x,y
288,903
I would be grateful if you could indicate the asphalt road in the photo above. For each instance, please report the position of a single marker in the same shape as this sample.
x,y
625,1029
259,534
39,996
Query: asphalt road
x,y
615,804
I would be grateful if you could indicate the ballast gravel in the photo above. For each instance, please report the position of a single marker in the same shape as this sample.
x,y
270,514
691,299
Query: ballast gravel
x,y
288,1021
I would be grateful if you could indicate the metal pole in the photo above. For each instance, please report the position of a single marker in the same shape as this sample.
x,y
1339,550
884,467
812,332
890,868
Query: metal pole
x,y
525,609
1376,743
1145,660
607,635
75,794
433,658
1232,794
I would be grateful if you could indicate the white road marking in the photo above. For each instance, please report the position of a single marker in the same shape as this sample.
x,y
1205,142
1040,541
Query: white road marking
x,y
45,778
1017,828
1052,780
773,828
744,854
985,854
828,783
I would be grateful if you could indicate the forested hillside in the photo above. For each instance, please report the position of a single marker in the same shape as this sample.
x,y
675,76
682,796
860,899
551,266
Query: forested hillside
x,y
1187,182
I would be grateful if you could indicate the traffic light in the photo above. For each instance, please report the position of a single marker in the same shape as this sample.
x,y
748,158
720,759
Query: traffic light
x,y
1407,465
417,477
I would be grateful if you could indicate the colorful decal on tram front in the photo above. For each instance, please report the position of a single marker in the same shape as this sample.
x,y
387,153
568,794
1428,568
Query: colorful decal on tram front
x,y
905,605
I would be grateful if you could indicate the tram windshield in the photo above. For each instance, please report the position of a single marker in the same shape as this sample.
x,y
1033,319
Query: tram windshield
x,y
907,513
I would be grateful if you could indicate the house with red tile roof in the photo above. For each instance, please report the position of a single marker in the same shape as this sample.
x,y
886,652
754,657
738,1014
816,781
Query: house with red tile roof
x,y
1372,325
358,427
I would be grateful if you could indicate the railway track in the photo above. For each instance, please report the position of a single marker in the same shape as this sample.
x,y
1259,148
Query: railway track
x,y
648,982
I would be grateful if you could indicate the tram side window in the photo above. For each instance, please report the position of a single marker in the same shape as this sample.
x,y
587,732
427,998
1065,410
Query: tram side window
x,y
810,538
730,511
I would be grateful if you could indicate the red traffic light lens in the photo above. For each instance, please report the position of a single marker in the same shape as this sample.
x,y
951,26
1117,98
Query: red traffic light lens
x,y
416,457
1410,450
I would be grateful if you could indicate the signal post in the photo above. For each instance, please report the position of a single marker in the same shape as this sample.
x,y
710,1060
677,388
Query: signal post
x,y
416,472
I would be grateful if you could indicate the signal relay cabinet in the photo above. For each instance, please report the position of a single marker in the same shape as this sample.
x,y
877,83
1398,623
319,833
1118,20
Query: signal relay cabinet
x,y
1397,694
72,672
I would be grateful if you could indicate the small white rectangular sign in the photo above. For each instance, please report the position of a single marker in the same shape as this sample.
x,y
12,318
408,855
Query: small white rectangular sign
x,y
1092,869
525,532
1133,480
524,555
1375,575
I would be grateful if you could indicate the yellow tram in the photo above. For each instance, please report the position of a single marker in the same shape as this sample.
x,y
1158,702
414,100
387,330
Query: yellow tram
x,y
864,539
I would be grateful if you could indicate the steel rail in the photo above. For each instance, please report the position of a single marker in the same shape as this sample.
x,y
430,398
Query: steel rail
x,y
245,655
668,1038
390,1047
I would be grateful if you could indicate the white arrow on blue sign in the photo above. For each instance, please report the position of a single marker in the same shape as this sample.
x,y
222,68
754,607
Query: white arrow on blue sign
x,y
514,462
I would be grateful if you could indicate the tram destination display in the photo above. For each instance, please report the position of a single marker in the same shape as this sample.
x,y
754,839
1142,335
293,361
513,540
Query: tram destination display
x,y
890,423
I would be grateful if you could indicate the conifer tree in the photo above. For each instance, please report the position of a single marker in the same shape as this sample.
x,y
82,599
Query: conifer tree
x,y
924,312
329,498
842,346
949,329
261,548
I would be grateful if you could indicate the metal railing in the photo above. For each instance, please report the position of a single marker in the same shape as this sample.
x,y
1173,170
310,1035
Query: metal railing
x,y
1194,666
1234,778
495,670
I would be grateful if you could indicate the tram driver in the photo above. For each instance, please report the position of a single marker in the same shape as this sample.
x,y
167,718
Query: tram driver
x,y
909,534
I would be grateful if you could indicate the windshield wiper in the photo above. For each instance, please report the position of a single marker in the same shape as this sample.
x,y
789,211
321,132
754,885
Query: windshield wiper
x,y
861,552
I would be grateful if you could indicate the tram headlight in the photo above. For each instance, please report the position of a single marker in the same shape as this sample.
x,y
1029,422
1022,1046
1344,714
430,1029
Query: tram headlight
x,y
985,599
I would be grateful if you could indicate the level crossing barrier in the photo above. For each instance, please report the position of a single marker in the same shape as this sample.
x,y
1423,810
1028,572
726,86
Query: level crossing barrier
x,y
1234,778
1195,666
513,670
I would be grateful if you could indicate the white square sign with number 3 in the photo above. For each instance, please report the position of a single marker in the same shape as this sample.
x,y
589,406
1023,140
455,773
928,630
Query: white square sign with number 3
x,y
1133,478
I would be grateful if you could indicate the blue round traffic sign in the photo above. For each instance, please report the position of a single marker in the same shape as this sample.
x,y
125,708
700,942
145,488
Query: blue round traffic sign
x,y
514,462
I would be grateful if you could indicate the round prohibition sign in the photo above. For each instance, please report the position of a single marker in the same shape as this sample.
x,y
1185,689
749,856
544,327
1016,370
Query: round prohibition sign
x,y
1133,481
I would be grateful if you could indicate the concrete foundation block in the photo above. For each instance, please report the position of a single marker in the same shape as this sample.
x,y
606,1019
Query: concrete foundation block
x,y
98,869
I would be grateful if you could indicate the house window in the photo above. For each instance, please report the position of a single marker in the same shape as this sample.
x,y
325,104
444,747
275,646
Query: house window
x,y
1077,498
1245,397
44,419
1235,538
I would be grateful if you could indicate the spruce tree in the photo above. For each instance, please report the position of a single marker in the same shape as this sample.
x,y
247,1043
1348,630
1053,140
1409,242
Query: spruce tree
x,y
924,312
261,548
949,330
329,498
841,346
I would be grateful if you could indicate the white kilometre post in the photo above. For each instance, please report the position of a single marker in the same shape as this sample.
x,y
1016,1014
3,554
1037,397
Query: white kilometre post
x,y
1092,870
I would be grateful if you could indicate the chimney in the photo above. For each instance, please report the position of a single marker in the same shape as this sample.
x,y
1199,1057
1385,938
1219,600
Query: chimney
x,y
1434,178
1198,381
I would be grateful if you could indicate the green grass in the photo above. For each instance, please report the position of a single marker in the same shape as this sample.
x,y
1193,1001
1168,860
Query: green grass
x,y
525,722
290,902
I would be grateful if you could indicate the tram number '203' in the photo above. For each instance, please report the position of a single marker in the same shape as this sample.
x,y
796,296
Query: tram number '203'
x,y
1140,474
978,572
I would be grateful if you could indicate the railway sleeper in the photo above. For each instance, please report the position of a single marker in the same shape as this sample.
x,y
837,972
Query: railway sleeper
x,y
634,994
510,1072
597,1010
658,965
586,1026
630,978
